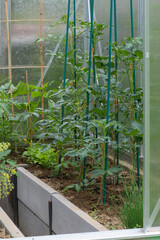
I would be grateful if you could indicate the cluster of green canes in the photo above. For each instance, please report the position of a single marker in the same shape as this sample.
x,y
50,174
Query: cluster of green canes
x,y
74,129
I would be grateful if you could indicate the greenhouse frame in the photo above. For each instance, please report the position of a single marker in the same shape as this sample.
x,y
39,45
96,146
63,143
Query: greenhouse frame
x,y
40,43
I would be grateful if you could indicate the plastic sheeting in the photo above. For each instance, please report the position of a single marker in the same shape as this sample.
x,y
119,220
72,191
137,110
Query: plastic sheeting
x,y
102,13
24,30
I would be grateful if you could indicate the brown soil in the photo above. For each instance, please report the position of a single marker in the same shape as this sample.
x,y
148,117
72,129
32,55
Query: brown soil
x,y
87,200
3,233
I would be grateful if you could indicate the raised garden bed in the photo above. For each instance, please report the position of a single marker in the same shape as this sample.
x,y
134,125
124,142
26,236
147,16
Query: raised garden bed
x,y
43,211
88,200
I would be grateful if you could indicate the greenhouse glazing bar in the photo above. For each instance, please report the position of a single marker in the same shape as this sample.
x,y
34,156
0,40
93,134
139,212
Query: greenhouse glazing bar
x,y
146,197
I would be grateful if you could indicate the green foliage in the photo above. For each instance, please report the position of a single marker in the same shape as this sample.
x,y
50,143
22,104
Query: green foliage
x,y
6,131
79,186
77,136
6,170
131,211
41,155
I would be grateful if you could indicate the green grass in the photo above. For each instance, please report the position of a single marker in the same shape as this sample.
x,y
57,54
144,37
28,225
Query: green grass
x,y
131,211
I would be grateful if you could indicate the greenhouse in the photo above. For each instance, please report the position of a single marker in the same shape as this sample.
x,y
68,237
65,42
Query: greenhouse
x,y
79,119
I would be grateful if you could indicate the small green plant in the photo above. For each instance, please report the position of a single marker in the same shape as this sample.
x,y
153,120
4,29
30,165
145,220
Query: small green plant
x,y
131,211
6,118
6,170
41,155
94,212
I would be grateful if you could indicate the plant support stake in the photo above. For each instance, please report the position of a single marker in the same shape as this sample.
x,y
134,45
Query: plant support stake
x,y
65,73
9,54
41,55
89,81
134,87
75,72
108,104
116,68
9,62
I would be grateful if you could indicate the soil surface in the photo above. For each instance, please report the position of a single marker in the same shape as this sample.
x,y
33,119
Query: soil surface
x,y
89,199
3,233
86,200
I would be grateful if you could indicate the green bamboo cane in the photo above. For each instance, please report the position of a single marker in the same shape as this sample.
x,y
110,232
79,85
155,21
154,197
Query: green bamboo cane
x,y
108,104
89,81
65,73
116,67
75,72
134,86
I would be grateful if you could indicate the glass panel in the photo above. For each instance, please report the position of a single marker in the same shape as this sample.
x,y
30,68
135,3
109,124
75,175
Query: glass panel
x,y
24,51
2,10
155,106
25,29
3,45
22,9
19,74
152,115
3,76
102,12
30,9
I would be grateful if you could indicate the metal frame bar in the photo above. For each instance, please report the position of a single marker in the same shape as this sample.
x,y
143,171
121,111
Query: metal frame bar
x,y
104,235
26,20
9,23
146,194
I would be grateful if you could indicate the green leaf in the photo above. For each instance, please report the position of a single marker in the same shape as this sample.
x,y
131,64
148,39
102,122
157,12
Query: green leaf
x,y
81,128
4,154
138,126
68,187
21,89
139,54
12,163
77,187
36,94
125,53
114,170
96,173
